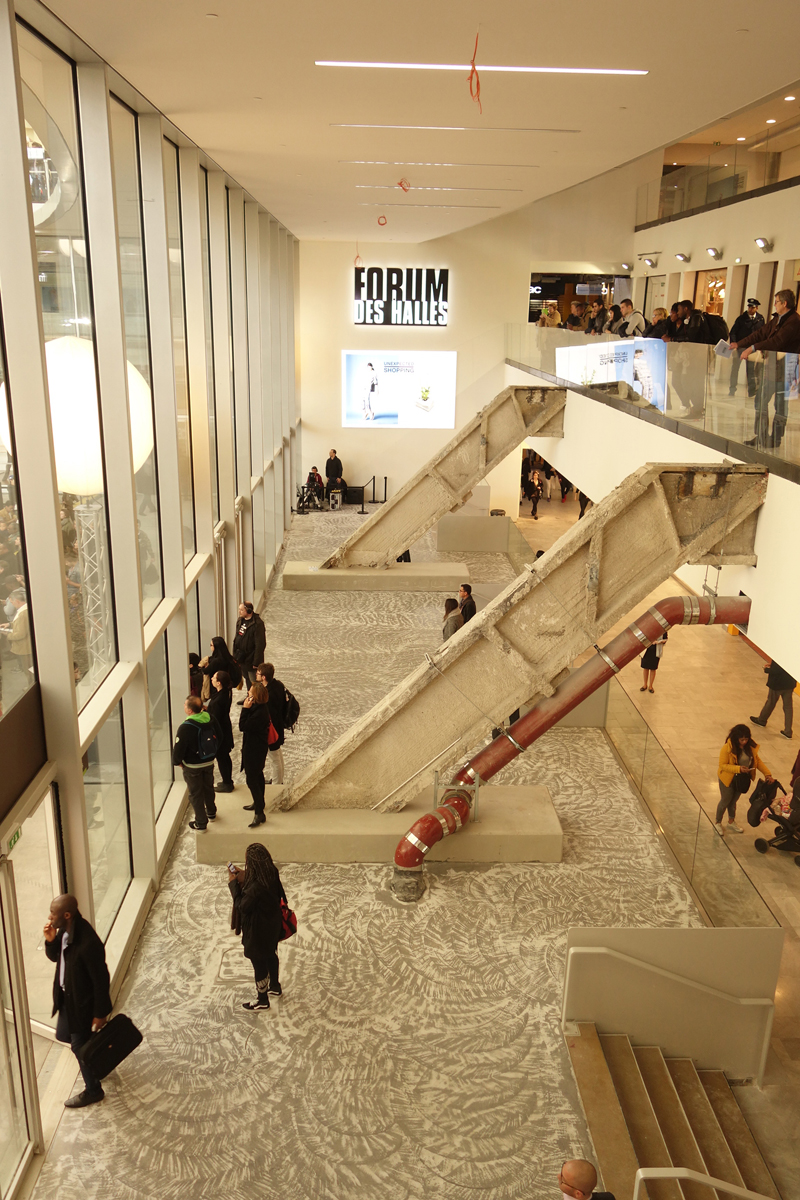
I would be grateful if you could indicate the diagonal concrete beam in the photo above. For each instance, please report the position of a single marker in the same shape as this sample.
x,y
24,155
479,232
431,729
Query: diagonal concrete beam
x,y
447,480
518,648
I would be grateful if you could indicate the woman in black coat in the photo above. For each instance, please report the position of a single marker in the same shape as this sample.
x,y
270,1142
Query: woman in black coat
x,y
257,893
219,706
535,488
255,724
277,710
221,659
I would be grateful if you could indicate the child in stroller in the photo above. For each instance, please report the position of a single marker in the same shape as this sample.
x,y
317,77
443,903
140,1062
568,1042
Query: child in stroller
x,y
764,806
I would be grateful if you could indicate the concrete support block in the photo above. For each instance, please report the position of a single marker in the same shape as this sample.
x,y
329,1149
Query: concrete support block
x,y
399,577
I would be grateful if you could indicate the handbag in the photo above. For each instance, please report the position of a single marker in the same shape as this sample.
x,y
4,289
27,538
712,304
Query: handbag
x,y
273,736
741,783
288,922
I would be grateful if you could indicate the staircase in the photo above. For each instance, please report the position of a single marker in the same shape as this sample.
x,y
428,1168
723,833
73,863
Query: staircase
x,y
645,1110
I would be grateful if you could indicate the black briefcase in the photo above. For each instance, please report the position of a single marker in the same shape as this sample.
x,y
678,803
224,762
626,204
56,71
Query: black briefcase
x,y
107,1048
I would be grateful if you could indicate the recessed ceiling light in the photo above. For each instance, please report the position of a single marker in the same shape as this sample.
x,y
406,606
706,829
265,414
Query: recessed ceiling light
x,y
386,162
788,97
425,188
771,121
408,66
452,128
741,139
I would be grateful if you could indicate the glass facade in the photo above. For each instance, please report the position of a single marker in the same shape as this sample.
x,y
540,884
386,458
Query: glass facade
x,y
127,190
106,801
56,194
17,663
13,1121
175,240
160,724
211,393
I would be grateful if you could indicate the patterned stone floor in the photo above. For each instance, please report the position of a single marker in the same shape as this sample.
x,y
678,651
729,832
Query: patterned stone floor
x,y
416,1051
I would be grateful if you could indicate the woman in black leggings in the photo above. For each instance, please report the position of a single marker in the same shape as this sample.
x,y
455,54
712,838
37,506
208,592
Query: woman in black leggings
x,y
255,724
219,706
257,893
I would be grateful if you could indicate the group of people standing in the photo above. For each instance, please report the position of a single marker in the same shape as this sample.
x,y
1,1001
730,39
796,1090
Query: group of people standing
x,y
206,736
537,480
458,612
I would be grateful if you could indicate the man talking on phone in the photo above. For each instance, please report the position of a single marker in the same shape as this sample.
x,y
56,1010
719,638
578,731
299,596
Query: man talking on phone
x,y
81,986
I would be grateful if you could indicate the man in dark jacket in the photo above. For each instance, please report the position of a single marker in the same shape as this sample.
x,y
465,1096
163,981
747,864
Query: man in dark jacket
x,y
196,744
745,324
249,641
781,686
81,995
333,473
466,603
780,336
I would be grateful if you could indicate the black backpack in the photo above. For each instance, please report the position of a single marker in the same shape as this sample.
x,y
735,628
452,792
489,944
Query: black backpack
x,y
291,712
207,741
717,329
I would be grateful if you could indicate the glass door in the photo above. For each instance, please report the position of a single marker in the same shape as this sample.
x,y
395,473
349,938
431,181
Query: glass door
x,y
20,1127
37,877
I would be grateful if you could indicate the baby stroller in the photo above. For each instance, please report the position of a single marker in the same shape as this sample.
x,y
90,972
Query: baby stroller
x,y
787,835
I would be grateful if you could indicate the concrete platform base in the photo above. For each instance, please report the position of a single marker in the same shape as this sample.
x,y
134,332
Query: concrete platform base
x,y
399,577
516,824
457,533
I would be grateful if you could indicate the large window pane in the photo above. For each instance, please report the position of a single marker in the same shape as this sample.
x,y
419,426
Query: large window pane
x,y
107,819
160,727
193,620
13,1122
57,202
173,199
17,663
210,388
137,350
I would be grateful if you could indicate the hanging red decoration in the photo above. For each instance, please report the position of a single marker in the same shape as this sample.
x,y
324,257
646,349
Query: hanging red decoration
x,y
404,184
474,78
358,260
381,219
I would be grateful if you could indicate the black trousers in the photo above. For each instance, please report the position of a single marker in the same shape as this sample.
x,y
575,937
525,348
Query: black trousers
x,y
265,969
225,766
254,777
200,782
64,1033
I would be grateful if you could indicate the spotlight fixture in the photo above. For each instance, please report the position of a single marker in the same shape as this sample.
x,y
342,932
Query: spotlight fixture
x,y
651,262
789,97
684,257
714,252
741,139
737,261
771,121
763,244
627,266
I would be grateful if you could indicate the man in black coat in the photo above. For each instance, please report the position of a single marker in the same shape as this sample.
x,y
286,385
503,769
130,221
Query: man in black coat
x,y
333,473
745,324
466,603
780,686
81,986
249,641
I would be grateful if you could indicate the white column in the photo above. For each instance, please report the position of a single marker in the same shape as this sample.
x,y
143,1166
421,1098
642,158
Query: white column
x,y
36,469
101,217
243,382
734,293
763,273
278,457
673,289
287,365
255,376
267,372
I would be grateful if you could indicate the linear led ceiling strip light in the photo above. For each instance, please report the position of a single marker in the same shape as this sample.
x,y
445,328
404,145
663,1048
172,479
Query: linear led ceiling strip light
x,y
470,66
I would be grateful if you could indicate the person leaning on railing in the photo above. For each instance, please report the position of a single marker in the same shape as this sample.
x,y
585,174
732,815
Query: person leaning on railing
x,y
780,335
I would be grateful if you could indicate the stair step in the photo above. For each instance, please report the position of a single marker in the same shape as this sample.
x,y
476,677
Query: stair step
x,y
672,1120
648,1140
742,1144
610,1137
706,1128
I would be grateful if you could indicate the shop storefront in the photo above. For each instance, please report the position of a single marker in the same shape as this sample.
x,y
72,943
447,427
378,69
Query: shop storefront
x,y
566,288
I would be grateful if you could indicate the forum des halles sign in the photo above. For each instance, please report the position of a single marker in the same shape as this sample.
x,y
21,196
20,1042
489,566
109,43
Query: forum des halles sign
x,y
400,296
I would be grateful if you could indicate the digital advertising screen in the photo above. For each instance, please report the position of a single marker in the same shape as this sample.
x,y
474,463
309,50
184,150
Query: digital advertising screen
x,y
640,362
408,389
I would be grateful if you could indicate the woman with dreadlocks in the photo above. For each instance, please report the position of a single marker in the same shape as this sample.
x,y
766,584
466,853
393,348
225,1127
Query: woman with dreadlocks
x,y
257,893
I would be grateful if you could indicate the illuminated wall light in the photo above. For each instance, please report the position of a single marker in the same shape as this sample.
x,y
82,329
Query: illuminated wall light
x,y
651,262
763,244
714,252
741,139
684,257
627,266
771,121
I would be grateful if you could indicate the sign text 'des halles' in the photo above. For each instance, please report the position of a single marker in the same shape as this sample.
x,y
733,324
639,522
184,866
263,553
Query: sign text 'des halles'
x,y
400,296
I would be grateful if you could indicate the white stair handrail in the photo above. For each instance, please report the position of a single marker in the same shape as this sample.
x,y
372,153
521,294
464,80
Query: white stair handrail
x,y
645,1173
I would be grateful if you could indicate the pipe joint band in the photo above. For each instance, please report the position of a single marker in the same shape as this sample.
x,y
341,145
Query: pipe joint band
x,y
442,822
643,638
691,610
513,741
712,610
451,809
415,841
609,661
657,616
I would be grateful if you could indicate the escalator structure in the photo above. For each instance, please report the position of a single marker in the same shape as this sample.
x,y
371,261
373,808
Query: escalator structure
x,y
520,647
446,481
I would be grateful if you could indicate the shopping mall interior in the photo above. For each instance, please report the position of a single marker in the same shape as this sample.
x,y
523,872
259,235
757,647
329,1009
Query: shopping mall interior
x,y
533,925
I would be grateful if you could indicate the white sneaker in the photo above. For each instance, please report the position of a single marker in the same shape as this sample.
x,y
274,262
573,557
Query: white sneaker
x,y
734,828
720,828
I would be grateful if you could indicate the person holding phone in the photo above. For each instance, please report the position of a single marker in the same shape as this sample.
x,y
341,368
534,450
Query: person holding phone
x,y
81,995
257,893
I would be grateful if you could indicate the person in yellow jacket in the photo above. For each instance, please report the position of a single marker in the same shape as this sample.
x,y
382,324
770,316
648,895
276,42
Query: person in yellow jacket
x,y
737,758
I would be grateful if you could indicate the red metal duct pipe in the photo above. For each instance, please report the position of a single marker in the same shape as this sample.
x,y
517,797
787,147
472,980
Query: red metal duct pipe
x,y
676,610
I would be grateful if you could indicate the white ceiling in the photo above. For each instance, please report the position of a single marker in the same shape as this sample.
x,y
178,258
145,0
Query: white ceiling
x,y
285,148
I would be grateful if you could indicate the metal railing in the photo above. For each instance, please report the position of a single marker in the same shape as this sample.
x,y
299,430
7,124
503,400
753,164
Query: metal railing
x,y
719,1185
